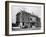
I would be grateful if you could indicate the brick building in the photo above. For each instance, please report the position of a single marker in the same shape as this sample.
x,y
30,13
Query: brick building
x,y
27,20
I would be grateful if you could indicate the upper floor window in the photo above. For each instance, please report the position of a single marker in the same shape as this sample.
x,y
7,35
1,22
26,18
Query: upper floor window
x,y
33,18
30,18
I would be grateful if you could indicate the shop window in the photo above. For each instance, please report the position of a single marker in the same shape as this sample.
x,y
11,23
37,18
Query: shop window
x,y
23,23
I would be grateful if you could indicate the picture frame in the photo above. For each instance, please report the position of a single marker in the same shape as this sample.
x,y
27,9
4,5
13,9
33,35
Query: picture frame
x,y
24,27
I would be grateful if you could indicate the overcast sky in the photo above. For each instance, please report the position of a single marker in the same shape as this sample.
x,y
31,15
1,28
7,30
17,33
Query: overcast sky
x,y
36,10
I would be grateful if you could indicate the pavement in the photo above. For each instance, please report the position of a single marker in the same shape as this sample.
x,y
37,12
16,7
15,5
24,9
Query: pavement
x,y
20,29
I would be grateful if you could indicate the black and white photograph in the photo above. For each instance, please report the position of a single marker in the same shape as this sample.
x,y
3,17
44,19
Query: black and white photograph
x,y
25,17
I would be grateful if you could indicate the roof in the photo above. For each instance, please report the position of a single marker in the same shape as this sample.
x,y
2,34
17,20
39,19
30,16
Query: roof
x,y
26,13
